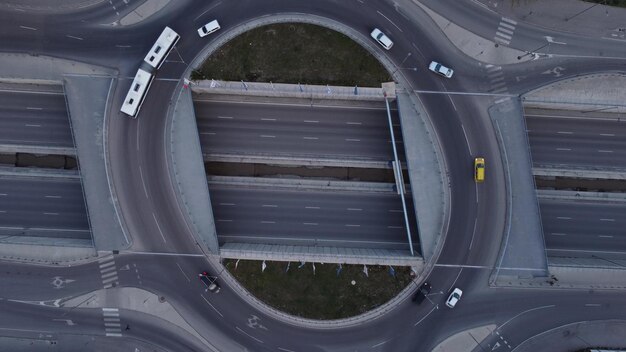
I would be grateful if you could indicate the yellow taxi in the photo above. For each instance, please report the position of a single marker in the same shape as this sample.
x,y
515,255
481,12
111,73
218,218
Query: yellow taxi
x,y
479,169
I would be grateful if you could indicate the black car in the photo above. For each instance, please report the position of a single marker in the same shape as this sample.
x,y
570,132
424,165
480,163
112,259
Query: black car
x,y
210,282
421,293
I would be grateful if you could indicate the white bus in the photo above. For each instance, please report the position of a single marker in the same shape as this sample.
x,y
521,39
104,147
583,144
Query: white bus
x,y
137,93
164,44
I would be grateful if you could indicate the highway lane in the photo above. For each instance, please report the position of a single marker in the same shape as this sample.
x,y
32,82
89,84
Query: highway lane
x,y
34,118
583,227
306,217
296,130
42,206
576,139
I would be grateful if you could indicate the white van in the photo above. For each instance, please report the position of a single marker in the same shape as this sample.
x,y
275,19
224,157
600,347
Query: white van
x,y
208,28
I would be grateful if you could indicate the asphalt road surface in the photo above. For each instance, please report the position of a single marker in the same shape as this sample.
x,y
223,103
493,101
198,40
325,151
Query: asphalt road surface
x,y
37,206
583,227
296,130
34,118
576,139
318,218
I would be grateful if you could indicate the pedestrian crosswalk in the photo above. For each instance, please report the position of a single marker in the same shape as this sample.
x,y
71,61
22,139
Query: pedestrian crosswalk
x,y
112,325
496,79
108,271
505,31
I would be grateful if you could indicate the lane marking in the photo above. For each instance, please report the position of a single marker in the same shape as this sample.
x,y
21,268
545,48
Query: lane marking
x,y
310,223
311,207
564,218
563,149
267,136
607,219
267,222
310,138
51,213
181,270
605,151
380,13
354,209
209,303
250,336
311,121
158,227
565,132
225,117
227,204
558,234
353,225
266,119
352,140
269,206
33,108
32,125
29,28
605,236
73,37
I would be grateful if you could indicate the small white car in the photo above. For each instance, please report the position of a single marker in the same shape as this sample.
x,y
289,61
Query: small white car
x,y
381,38
454,298
208,28
440,69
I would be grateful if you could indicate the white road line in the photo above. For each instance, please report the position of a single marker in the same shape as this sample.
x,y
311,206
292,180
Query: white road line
x,y
498,85
395,227
311,121
31,125
592,305
33,108
111,279
558,234
503,28
269,206
607,219
54,197
73,37
267,222
51,213
2,211
607,134
353,225
563,149
284,349
105,259
112,334
104,265
29,28
227,204
605,151
390,21
353,123
466,139
266,119
605,236
310,138
379,344
354,209
564,218
497,78
505,36
572,117
245,333
509,21
310,223
143,182
565,132
107,275
225,117
105,270
267,136
158,227
209,303
311,207
352,140
503,41
208,133
181,270
506,25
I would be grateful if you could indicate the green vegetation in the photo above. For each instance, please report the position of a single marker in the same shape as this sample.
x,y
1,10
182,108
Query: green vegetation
x,y
618,3
294,53
323,295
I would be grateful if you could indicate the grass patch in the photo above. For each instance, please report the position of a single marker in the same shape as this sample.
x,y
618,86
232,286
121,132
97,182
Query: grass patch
x,y
322,295
294,53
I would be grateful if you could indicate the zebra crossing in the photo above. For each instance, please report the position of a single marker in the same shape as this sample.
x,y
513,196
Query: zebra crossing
x,y
505,31
112,325
108,271
496,79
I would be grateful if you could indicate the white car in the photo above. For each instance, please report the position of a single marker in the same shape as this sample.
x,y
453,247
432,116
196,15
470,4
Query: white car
x,y
440,69
208,28
454,298
381,38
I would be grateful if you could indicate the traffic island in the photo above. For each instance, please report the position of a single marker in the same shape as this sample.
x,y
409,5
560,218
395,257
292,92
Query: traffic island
x,y
320,291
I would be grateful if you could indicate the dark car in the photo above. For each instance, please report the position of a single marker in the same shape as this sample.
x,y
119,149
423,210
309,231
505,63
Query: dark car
x,y
421,293
210,282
